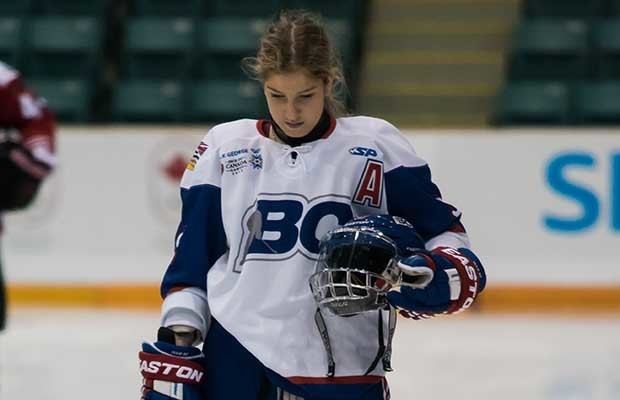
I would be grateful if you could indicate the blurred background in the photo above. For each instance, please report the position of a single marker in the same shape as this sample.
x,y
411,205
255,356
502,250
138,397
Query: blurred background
x,y
514,103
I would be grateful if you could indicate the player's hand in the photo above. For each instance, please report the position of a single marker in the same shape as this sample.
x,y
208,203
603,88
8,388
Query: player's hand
x,y
417,270
170,371
21,172
20,176
445,280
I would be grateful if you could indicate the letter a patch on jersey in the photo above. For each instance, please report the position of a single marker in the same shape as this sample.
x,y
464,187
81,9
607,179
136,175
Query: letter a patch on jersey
x,y
370,187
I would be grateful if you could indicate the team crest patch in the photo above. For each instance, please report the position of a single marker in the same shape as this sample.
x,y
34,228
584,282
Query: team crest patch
x,y
256,159
237,161
202,147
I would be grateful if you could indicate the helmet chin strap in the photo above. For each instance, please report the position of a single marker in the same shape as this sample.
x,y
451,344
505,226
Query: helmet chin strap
x,y
321,127
322,327
384,352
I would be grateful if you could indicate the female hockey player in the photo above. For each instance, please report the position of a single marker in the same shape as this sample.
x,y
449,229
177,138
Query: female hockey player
x,y
258,196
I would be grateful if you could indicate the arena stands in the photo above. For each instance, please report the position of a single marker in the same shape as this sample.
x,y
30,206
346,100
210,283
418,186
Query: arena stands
x,y
154,60
563,66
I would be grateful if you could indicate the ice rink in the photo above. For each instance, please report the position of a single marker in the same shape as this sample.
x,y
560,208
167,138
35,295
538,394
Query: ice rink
x,y
91,354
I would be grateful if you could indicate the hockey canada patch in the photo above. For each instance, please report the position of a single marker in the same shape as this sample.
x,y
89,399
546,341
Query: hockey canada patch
x,y
202,147
237,161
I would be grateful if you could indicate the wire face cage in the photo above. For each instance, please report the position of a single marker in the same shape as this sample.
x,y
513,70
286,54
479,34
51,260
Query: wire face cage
x,y
354,270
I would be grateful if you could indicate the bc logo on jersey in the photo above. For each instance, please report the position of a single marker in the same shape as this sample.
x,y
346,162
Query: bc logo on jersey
x,y
278,226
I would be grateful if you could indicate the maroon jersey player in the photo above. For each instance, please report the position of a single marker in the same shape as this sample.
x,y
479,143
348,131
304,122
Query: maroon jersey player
x,y
27,135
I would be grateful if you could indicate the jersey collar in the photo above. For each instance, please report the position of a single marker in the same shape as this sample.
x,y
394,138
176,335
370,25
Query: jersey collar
x,y
323,129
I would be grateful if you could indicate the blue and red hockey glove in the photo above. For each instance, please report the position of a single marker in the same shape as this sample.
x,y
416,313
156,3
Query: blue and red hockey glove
x,y
170,371
443,281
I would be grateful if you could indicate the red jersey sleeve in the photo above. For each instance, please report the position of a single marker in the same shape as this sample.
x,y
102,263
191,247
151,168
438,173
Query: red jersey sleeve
x,y
27,113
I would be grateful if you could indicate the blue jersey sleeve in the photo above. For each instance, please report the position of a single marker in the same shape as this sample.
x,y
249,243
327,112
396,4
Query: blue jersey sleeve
x,y
411,194
409,190
200,239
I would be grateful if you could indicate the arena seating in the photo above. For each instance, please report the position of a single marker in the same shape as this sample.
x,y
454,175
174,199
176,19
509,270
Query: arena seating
x,y
61,56
152,60
10,39
543,103
567,53
200,47
149,100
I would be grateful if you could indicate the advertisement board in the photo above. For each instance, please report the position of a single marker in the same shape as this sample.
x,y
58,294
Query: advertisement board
x,y
541,207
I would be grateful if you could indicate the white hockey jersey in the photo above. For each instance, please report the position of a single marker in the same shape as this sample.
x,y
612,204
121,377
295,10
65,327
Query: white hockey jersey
x,y
253,212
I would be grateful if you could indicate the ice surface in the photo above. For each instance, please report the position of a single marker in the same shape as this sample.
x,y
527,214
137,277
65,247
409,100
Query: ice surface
x,y
91,354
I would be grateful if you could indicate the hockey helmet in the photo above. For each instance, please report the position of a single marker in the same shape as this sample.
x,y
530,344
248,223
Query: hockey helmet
x,y
356,266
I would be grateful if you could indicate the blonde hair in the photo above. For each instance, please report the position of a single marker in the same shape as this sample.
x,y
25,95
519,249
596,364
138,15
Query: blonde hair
x,y
298,39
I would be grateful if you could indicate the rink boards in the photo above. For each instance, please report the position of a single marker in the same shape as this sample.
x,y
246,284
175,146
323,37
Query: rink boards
x,y
542,208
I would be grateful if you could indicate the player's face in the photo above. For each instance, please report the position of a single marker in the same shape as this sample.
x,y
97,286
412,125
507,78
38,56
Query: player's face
x,y
295,100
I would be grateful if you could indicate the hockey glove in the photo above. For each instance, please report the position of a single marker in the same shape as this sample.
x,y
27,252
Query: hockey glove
x,y
170,371
443,281
20,175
